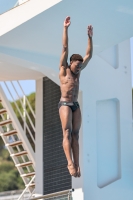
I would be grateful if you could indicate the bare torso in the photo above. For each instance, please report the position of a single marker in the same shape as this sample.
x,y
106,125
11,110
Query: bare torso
x,y
69,86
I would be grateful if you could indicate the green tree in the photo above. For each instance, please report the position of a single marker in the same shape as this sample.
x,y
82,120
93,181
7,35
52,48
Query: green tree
x,y
10,180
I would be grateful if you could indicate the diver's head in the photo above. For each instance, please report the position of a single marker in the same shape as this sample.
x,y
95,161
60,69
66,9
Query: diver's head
x,y
76,61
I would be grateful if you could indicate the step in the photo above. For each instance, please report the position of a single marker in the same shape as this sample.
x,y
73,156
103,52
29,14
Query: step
x,y
19,153
29,174
31,185
5,122
24,164
2,111
14,144
9,133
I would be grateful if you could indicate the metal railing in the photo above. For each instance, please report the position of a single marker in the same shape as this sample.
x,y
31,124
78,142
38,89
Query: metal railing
x,y
13,195
21,107
26,189
63,195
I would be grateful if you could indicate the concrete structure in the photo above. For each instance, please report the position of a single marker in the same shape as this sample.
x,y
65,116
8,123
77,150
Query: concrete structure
x,y
30,46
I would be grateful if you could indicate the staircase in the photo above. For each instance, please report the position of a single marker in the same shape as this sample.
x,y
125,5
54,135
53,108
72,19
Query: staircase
x,y
17,143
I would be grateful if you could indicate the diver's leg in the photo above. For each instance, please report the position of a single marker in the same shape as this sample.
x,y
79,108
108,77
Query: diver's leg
x,y
66,121
76,123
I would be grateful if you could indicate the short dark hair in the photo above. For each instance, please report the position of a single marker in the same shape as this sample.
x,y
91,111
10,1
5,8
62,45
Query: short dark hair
x,y
75,57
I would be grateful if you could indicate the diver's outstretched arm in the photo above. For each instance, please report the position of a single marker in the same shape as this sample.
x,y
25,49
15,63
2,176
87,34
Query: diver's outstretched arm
x,y
64,55
89,50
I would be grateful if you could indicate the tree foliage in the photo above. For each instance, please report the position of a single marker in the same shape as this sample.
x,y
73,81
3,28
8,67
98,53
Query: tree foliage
x,y
9,175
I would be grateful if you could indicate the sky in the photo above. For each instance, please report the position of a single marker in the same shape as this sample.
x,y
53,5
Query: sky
x,y
5,5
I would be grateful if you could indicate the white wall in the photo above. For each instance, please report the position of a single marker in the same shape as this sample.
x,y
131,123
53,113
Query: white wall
x,y
77,183
39,137
107,125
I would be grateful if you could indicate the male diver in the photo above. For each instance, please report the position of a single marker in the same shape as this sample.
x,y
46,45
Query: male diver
x,y
69,109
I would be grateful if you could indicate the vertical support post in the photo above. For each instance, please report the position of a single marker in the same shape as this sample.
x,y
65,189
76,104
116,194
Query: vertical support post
x,y
39,137
69,196
77,184
24,113
7,126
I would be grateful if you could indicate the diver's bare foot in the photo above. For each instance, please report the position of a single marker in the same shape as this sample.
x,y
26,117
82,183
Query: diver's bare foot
x,y
78,170
72,170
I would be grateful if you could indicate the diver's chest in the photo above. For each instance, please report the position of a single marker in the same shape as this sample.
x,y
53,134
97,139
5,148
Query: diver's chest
x,y
72,80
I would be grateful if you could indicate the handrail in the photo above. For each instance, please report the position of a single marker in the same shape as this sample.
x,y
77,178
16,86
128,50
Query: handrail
x,y
26,188
27,100
56,194
19,111
22,105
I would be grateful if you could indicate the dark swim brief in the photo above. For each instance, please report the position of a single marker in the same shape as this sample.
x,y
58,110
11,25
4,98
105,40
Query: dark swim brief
x,y
72,105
